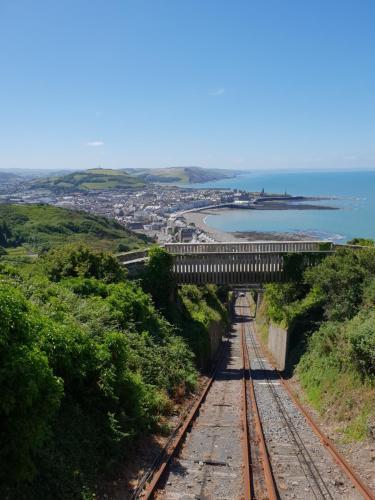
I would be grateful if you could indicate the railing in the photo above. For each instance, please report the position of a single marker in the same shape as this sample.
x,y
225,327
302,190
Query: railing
x,y
251,247
234,262
132,256
235,267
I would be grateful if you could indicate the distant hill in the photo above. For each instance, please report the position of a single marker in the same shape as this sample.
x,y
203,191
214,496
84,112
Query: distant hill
x,y
34,173
184,175
37,227
87,180
131,178
9,178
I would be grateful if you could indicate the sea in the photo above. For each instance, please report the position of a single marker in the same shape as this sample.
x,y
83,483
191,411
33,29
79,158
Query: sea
x,y
353,193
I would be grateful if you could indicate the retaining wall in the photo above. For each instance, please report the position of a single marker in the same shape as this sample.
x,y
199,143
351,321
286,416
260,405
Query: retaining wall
x,y
278,340
216,331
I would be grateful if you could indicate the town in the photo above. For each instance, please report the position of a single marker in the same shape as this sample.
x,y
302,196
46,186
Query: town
x,y
155,210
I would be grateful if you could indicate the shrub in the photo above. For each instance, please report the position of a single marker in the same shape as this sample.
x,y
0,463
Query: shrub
x,y
157,278
278,297
366,242
340,279
361,332
30,392
71,261
88,364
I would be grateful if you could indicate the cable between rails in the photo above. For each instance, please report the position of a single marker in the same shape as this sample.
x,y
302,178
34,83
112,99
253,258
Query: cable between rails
x,y
313,472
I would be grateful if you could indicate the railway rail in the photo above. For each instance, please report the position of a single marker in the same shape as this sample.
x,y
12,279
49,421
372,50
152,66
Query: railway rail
x,y
247,438
150,482
317,486
291,435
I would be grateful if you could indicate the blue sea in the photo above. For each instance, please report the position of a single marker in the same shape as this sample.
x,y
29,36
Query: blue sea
x,y
354,194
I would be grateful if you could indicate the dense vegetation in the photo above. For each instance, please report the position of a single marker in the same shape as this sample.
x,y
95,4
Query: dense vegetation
x,y
86,180
200,313
37,228
331,318
87,364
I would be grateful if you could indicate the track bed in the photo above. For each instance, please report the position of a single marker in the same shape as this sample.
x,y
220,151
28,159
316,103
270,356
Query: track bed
x,y
247,438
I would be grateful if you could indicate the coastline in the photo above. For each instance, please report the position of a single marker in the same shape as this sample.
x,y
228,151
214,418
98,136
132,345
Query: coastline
x,y
199,220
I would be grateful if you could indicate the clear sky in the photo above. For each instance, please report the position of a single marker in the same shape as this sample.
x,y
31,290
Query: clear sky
x,y
221,83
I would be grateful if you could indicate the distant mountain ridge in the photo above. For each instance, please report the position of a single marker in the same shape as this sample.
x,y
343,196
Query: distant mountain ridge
x,y
131,178
89,180
184,175
34,173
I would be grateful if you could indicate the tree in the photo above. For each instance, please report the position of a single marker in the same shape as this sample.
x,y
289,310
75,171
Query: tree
x,y
30,393
157,278
74,261
340,278
364,242
5,234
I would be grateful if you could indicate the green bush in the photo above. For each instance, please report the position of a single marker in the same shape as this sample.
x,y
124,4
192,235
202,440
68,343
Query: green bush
x,y
72,261
89,364
195,311
366,242
361,331
330,316
340,279
157,278
30,391
369,293
279,297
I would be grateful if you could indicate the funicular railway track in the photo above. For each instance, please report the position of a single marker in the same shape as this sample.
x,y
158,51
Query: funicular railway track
x,y
316,484
296,448
245,438
208,456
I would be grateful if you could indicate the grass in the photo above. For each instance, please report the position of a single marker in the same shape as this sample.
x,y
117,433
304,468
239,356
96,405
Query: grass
x,y
18,252
88,180
338,393
184,175
103,171
262,322
358,429
36,227
199,313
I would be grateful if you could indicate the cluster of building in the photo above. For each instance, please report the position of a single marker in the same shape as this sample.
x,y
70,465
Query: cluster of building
x,y
156,210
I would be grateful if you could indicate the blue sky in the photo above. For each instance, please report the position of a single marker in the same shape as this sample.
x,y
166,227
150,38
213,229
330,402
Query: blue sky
x,y
244,84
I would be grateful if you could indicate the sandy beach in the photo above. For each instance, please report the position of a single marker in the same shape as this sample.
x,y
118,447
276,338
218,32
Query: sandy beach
x,y
199,219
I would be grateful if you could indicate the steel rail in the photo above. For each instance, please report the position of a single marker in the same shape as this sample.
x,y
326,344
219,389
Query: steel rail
x,y
266,464
328,444
148,486
358,483
246,446
313,471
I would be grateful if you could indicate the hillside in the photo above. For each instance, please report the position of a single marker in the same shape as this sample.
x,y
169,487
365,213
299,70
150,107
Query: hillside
x,y
90,368
132,178
9,178
34,227
330,317
184,175
92,179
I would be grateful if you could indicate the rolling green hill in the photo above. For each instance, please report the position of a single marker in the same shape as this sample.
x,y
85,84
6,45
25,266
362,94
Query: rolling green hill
x,y
184,175
132,178
92,179
32,228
